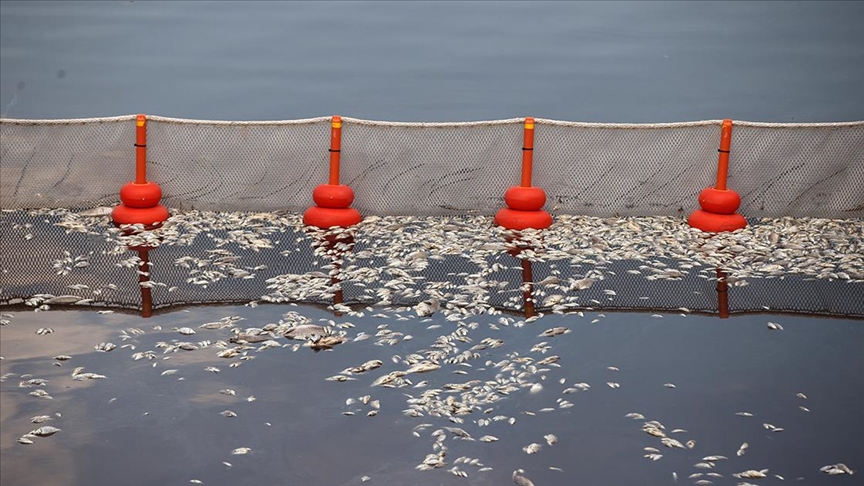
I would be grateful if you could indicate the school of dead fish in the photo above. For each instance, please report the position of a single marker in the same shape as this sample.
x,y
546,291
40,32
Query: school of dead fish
x,y
402,253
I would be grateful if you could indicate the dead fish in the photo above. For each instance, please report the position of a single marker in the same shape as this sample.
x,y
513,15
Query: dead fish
x,y
228,413
326,342
44,330
24,440
40,419
306,331
186,331
774,326
105,347
532,448
555,331
62,357
520,479
752,474
834,469
422,367
45,431
241,450
551,439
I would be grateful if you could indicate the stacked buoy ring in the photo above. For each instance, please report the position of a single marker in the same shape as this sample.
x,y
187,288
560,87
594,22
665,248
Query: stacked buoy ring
x,y
333,200
525,202
140,199
719,203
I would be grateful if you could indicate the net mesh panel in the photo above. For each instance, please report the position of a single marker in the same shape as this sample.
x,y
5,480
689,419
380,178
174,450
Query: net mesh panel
x,y
248,167
422,260
430,170
804,170
456,173
609,170
818,172
72,165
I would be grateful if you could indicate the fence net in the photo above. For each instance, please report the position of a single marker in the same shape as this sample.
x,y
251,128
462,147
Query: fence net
x,y
418,169
427,191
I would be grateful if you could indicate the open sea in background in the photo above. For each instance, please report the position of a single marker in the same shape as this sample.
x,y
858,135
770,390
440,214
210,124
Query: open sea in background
x,y
618,61
615,61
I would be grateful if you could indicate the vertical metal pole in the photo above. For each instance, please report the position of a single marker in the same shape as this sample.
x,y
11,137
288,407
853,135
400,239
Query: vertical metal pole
x,y
723,157
528,152
335,148
141,149
144,276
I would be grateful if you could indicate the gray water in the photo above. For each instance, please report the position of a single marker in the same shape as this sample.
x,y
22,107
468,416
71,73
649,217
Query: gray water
x,y
139,426
435,61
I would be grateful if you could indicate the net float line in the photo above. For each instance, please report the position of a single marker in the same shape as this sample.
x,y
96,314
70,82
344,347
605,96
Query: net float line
x,y
140,198
525,202
719,203
333,200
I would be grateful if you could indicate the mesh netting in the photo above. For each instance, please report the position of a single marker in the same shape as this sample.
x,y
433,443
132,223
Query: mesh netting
x,y
420,169
462,263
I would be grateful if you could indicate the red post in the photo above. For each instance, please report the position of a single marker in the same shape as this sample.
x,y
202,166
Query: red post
x,y
528,152
718,204
723,158
525,202
335,148
141,149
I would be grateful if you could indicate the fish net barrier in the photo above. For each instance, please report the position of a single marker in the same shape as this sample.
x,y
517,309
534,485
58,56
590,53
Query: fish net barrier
x,y
427,191
436,169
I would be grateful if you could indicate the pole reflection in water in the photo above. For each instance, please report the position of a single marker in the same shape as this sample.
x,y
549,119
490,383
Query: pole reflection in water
x,y
722,294
518,249
334,243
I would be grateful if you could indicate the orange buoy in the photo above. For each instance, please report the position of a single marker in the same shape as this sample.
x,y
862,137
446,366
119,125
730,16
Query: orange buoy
x,y
719,203
525,202
140,199
332,200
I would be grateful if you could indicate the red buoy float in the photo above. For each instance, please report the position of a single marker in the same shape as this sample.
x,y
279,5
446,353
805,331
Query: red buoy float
x,y
719,203
525,202
332,200
140,199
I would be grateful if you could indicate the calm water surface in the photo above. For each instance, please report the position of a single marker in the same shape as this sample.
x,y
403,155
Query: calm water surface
x,y
434,61
138,426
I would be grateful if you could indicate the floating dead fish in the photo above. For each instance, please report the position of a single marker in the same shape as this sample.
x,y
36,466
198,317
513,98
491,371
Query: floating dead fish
x,y
555,331
40,419
752,474
422,367
834,469
63,299
186,331
62,357
774,326
241,450
45,431
24,440
532,448
105,347
44,330
551,439
228,413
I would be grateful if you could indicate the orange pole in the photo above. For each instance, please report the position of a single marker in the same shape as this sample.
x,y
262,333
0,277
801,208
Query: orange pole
x,y
723,158
335,148
528,152
141,149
